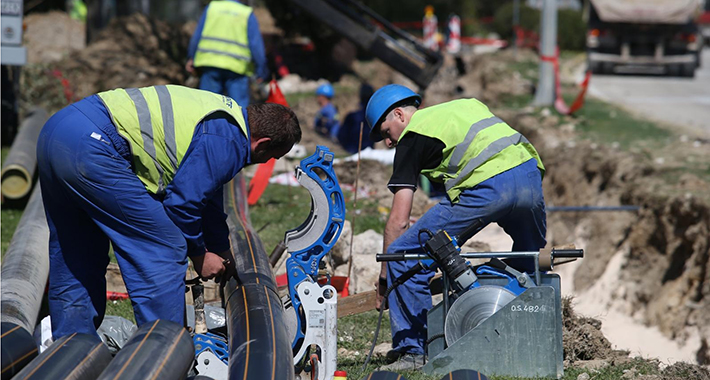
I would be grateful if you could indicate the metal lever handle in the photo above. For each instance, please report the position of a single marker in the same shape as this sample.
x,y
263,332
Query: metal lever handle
x,y
380,257
567,253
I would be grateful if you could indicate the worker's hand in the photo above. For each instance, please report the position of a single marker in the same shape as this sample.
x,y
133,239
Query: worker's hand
x,y
189,66
230,268
381,286
208,265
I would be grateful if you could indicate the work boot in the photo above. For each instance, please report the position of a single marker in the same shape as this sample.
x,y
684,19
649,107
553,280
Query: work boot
x,y
407,362
392,356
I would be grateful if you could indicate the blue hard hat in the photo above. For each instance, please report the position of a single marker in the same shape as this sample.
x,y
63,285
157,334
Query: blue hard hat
x,y
326,90
383,101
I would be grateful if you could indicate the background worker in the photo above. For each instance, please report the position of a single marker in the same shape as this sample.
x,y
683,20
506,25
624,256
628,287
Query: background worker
x,y
349,133
491,173
144,169
226,49
327,121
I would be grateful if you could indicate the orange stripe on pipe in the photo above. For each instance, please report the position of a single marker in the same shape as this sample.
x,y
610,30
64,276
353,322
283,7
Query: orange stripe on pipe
x,y
9,331
136,351
50,355
170,352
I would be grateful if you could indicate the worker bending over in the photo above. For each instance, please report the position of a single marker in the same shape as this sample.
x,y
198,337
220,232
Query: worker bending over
x,y
226,49
144,169
491,173
326,121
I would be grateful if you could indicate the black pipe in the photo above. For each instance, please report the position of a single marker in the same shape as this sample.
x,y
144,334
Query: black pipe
x,y
259,344
19,167
159,350
18,349
591,208
72,357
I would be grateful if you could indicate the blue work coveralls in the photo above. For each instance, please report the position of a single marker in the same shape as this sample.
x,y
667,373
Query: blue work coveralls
x,y
326,122
349,133
92,197
226,82
513,199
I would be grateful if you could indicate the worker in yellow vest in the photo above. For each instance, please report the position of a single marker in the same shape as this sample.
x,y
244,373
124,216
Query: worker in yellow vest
x,y
226,49
144,169
490,172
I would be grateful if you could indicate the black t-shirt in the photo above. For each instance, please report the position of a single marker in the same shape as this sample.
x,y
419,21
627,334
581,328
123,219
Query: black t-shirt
x,y
414,153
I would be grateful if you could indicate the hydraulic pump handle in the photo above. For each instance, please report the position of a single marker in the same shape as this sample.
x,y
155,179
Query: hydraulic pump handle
x,y
567,253
380,257
471,230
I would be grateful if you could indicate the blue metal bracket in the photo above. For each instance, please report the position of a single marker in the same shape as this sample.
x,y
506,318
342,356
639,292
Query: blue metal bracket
x,y
312,240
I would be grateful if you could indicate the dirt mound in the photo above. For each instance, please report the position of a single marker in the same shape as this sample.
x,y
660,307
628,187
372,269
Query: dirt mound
x,y
685,371
582,338
132,51
51,36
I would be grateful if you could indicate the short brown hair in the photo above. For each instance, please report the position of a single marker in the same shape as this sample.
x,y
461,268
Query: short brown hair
x,y
276,122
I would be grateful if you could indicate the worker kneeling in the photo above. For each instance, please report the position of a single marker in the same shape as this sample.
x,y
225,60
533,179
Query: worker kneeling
x,y
144,169
491,173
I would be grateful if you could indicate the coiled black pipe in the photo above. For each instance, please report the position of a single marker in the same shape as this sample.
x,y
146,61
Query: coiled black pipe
x,y
259,344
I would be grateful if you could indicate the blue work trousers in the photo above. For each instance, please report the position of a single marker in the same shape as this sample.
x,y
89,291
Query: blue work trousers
x,y
226,82
513,199
92,197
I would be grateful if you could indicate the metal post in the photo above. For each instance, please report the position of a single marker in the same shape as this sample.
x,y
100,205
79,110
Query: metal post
x,y
545,95
516,25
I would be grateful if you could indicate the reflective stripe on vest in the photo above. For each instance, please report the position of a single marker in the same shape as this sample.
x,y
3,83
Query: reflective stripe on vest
x,y
478,145
224,42
158,136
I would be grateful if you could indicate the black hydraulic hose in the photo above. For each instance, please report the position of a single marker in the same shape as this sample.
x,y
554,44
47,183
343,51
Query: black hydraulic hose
x,y
399,281
72,357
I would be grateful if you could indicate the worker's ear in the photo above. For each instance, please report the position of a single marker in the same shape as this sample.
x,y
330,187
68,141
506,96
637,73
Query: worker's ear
x,y
260,144
398,113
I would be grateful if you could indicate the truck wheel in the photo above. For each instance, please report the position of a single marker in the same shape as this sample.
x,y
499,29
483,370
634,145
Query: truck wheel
x,y
688,70
673,70
607,68
594,66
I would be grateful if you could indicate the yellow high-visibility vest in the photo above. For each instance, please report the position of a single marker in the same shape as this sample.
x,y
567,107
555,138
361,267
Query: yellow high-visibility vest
x,y
159,121
224,42
478,145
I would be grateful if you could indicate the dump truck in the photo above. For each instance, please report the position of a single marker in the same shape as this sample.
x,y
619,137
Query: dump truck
x,y
644,35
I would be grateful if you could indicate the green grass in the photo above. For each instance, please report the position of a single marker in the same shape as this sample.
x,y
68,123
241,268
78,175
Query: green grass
x,y
282,208
609,124
121,308
8,221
